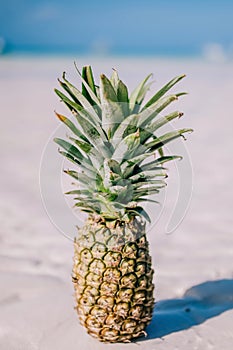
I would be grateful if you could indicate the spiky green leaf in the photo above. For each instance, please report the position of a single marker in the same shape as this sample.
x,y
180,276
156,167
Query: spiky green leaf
x,y
136,96
68,102
114,80
73,91
88,85
112,113
158,124
141,212
162,140
73,128
163,91
71,149
154,164
147,115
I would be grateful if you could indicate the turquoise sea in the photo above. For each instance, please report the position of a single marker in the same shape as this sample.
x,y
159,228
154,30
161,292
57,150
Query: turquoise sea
x,y
125,27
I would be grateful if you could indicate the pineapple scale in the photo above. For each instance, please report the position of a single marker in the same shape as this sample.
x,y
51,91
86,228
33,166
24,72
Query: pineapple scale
x,y
112,277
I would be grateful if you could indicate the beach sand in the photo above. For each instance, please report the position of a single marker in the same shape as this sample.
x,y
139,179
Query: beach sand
x,y
193,264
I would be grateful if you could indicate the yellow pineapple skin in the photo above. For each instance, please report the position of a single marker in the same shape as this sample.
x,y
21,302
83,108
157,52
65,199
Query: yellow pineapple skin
x,y
112,276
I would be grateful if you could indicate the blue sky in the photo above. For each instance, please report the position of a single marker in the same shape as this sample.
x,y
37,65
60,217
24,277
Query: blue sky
x,y
123,26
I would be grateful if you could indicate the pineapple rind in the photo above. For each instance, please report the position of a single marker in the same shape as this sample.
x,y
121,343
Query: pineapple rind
x,y
112,277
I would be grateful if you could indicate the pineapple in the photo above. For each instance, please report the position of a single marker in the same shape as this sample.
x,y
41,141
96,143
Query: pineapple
x,y
118,162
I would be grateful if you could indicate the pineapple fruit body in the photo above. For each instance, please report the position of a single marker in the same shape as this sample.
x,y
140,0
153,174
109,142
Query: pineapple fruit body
x,y
117,150
112,277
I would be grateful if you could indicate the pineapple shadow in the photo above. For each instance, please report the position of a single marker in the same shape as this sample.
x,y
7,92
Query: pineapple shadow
x,y
198,304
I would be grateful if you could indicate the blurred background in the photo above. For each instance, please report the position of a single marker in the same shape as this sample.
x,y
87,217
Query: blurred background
x,y
38,41
123,27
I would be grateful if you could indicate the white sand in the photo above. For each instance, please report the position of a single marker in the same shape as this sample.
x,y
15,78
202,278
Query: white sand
x,y
193,265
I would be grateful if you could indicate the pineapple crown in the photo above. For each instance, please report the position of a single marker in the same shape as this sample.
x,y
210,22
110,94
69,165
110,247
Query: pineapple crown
x,y
117,156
